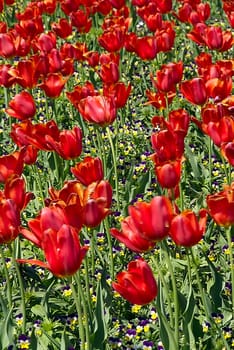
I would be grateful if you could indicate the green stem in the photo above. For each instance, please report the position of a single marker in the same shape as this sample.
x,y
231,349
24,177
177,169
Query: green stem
x,y
8,282
165,289
21,285
85,311
210,163
106,223
115,167
175,294
101,150
77,300
229,239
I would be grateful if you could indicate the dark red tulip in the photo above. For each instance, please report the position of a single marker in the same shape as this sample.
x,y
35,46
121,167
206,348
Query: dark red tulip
x,y
146,47
9,220
137,284
53,84
62,28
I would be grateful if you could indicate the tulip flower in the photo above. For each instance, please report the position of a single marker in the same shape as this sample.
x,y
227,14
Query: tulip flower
x,y
221,206
146,47
62,251
80,19
53,84
6,79
69,143
11,164
7,45
152,219
22,106
168,76
81,92
14,189
187,229
137,284
194,91
62,28
99,110
119,92
9,220
131,237
88,171
112,40
26,73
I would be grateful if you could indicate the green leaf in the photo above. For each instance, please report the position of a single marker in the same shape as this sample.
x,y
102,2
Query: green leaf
x,y
6,330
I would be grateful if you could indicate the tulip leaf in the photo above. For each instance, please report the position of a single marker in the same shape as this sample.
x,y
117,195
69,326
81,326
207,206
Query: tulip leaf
x,y
6,330
188,317
193,162
166,333
64,341
38,310
101,316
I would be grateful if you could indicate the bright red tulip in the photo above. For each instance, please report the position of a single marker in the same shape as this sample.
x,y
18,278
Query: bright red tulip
x,y
187,229
194,91
11,164
7,45
45,42
168,76
109,73
81,20
221,206
137,284
146,47
22,106
6,79
88,171
62,251
160,100
99,110
53,84
26,72
119,92
68,145
81,92
112,40
15,189
168,173
62,28
131,237
9,220
152,219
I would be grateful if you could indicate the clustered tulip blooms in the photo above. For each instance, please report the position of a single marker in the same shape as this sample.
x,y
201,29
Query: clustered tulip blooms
x,y
56,230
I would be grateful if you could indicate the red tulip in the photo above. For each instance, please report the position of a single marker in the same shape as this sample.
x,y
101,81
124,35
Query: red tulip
x,y
81,92
45,42
68,145
221,206
168,76
62,28
7,45
15,190
62,251
137,284
22,106
6,78
146,47
227,150
53,84
119,92
88,171
9,220
80,19
131,237
152,219
112,40
187,229
26,73
168,173
11,164
99,110
194,91
109,73
159,100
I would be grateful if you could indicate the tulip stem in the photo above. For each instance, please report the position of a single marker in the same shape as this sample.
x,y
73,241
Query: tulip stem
x,y
85,311
102,150
8,282
115,167
229,239
21,286
106,223
77,299
175,294
165,289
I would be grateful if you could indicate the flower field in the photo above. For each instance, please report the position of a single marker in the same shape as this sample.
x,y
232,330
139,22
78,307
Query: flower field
x,y
116,174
